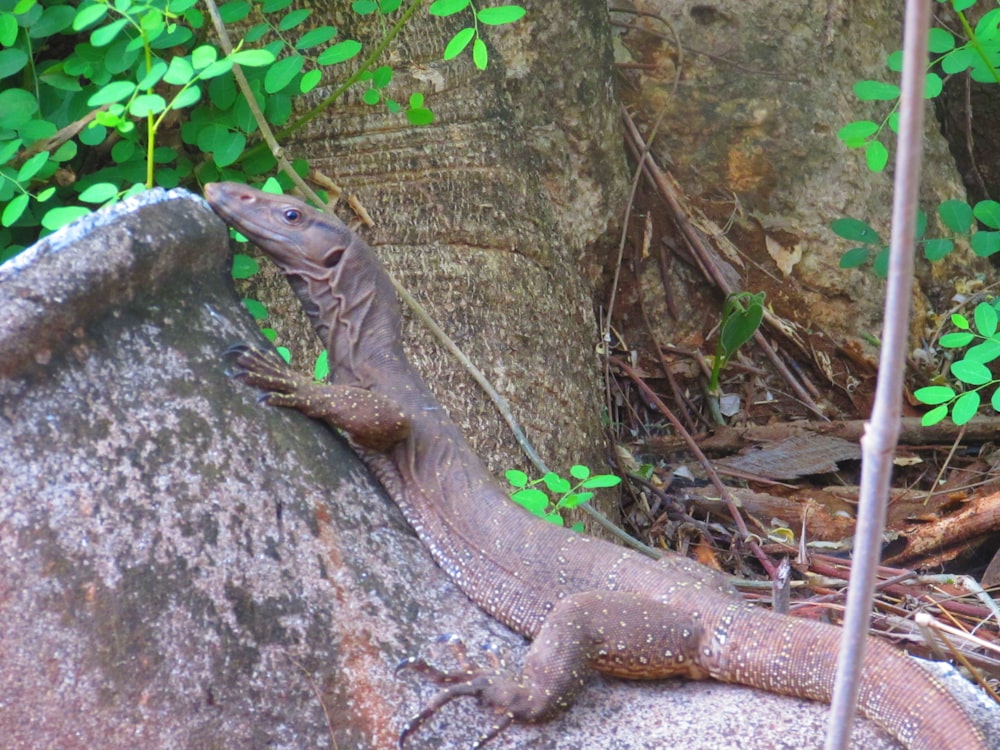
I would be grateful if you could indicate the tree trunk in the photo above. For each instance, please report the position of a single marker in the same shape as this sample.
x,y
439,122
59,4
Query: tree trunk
x,y
493,215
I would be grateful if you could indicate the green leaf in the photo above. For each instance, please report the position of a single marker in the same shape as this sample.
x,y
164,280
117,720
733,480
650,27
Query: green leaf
x,y
321,370
447,8
32,166
573,500
220,67
554,518
516,478
153,76
371,96
315,37
282,72
113,92
54,19
855,134
856,256
938,248
988,212
956,215
602,480
244,266
956,340
960,321
364,7
971,372
419,116
578,471
11,61
89,15
255,308
203,56
186,98
855,230
934,416
934,394
894,61
17,107
532,500
480,55
740,324
876,156
252,58
273,6
180,71
236,11
933,85
104,35
381,76
959,60
965,407
868,91
63,215
995,400
458,43
8,149
14,209
880,265
500,14
310,80
285,354
940,41
556,483
147,104
984,352
987,27
985,318
99,192
985,243
293,19
339,52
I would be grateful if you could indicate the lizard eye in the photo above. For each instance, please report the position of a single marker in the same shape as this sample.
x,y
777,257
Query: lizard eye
x,y
291,215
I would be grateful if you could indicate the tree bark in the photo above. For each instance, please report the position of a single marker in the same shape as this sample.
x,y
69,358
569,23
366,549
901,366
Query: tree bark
x,y
495,215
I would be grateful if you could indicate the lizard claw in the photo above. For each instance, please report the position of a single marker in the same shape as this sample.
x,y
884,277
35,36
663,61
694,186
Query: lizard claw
x,y
468,680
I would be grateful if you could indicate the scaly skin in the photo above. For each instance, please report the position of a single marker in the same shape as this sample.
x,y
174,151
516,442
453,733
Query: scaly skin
x,y
586,604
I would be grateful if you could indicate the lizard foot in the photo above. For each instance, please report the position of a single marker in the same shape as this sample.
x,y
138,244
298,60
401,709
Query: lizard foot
x,y
372,420
469,679
264,370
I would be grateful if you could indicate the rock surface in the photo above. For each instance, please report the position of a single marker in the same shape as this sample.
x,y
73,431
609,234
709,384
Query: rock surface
x,y
185,568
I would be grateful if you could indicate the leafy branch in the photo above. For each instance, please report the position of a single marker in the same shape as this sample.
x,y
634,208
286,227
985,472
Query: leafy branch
x,y
971,370
559,494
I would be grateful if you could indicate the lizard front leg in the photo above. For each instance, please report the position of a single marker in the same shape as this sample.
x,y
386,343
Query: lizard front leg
x,y
370,420
615,632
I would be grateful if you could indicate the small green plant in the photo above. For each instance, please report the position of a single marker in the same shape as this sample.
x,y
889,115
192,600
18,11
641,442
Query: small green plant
x,y
970,371
980,54
497,16
742,313
560,494
956,216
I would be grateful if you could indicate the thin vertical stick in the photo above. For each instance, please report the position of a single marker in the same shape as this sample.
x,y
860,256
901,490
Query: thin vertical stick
x,y
882,430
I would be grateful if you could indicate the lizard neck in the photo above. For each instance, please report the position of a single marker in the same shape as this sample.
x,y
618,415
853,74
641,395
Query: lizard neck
x,y
354,311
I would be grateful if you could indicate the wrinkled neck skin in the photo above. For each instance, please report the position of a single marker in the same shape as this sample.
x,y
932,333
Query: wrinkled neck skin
x,y
353,308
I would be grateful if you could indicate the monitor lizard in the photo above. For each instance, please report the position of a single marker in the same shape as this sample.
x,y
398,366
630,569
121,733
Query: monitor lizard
x,y
586,604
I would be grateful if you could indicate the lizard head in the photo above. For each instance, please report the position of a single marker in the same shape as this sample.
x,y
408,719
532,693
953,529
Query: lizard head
x,y
341,284
300,239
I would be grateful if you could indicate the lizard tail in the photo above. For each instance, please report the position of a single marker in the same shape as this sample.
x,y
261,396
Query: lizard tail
x,y
798,657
